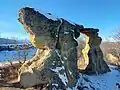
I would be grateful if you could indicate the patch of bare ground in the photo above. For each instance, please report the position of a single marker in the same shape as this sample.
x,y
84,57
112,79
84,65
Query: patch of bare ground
x,y
12,85
9,78
8,75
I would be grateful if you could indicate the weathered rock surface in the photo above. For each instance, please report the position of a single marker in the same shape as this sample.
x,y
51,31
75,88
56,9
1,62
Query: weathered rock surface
x,y
93,53
55,63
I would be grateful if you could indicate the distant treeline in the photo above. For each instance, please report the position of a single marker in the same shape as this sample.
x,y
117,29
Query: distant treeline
x,y
7,41
11,47
11,41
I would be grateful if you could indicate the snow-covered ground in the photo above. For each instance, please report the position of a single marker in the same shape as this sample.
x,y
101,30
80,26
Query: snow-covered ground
x,y
16,55
105,81
102,82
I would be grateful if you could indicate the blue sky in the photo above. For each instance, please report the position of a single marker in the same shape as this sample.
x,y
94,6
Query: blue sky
x,y
102,14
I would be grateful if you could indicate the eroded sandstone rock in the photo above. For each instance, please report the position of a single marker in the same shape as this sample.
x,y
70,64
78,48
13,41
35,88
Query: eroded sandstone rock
x,y
93,53
55,62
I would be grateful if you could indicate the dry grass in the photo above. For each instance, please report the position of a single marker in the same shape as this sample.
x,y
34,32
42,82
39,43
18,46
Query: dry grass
x,y
9,73
10,78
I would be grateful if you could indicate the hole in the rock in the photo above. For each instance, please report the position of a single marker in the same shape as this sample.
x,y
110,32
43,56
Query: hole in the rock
x,y
82,64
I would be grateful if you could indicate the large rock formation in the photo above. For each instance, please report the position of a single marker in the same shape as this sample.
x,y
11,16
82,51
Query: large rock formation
x,y
93,53
55,63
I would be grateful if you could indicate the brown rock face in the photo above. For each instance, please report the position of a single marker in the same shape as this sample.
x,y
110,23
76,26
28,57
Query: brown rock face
x,y
93,53
55,62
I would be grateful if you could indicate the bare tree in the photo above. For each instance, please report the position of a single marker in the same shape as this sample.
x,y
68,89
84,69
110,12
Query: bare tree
x,y
116,37
14,67
25,48
112,46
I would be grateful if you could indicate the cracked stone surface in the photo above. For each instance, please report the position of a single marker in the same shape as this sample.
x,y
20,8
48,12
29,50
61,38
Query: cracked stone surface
x,y
55,62
93,53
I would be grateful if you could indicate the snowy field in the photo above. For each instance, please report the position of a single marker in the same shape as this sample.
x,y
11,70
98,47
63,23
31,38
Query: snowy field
x,y
101,82
106,81
15,55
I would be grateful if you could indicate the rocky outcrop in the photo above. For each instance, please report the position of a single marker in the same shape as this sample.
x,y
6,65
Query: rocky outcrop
x,y
93,53
55,63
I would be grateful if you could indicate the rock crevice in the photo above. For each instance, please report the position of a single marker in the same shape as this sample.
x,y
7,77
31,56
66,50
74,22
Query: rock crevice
x,y
55,62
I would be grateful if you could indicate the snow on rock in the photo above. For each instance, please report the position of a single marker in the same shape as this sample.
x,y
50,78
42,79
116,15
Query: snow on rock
x,y
55,84
66,32
65,58
64,78
57,69
48,15
53,17
59,56
71,22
